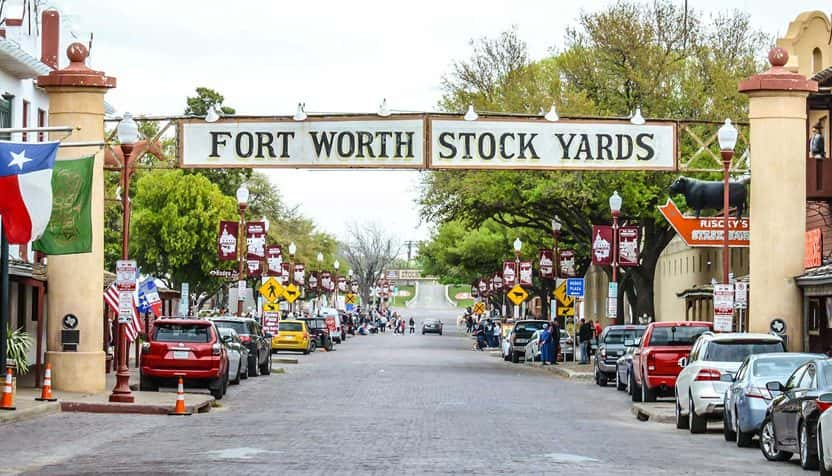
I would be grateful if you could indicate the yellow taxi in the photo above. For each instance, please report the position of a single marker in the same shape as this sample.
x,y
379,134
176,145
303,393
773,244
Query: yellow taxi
x,y
293,335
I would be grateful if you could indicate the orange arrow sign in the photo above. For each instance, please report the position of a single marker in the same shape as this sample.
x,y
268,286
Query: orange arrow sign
x,y
706,231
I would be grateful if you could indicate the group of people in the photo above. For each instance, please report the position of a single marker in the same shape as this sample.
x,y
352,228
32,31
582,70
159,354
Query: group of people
x,y
382,321
587,331
487,332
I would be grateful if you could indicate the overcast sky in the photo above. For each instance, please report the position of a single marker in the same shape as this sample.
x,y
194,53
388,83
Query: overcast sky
x,y
337,56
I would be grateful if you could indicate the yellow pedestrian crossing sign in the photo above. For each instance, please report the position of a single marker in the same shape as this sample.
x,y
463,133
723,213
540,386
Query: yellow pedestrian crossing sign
x,y
291,292
271,307
517,294
565,304
479,308
350,298
271,290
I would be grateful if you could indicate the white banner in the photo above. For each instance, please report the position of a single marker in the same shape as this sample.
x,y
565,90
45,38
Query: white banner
x,y
723,307
575,145
369,141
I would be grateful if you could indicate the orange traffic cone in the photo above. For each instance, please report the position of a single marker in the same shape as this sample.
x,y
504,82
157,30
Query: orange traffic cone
x,y
8,401
180,408
46,391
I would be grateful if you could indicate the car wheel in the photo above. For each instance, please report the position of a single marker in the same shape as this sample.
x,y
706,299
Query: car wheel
x,y
266,368
216,388
807,459
313,346
728,431
635,390
225,382
743,437
681,420
329,347
697,424
620,384
147,384
253,369
768,444
647,394
515,357
821,463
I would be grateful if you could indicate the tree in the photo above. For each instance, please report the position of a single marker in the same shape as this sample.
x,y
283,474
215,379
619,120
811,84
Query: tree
x,y
368,250
175,228
653,56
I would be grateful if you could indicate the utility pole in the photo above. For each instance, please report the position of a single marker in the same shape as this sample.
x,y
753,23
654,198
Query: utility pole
x,y
409,245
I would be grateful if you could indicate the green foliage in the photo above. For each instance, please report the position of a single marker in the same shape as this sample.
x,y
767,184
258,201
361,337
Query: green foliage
x,y
18,343
453,290
203,101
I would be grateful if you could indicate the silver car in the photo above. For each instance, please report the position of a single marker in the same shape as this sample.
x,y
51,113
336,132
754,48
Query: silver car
x,y
237,355
824,403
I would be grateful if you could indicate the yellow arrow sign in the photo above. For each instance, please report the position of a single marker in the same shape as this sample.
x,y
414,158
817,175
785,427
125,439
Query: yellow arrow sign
x,y
565,304
271,307
517,294
350,298
271,290
479,308
291,292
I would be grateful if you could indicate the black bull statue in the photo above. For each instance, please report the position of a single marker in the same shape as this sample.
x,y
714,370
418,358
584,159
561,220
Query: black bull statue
x,y
701,195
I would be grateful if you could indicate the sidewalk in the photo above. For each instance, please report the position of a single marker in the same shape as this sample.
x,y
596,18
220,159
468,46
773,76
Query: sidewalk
x,y
569,370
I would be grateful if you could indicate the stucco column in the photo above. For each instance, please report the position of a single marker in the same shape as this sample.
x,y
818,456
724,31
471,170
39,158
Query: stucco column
x,y
777,113
75,282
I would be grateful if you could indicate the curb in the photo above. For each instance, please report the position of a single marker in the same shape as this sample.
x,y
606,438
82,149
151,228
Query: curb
x,y
47,408
570,374
453,303
415,296
648,412
286,360
142,409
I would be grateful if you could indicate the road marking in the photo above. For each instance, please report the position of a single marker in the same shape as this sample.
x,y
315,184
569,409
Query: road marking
x,y
238,453
570,458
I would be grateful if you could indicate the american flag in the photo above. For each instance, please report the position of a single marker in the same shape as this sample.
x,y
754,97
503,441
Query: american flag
x,y
134,327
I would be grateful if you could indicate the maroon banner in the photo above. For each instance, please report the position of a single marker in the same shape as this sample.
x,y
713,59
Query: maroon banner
x,y
326,281
567,263
628,246
498,282
475,291
509,274
312,284
482,285
300,271
526,273
227,240
284,274
601,245
274,259
547,264
254,268
354,287
255,240
342,284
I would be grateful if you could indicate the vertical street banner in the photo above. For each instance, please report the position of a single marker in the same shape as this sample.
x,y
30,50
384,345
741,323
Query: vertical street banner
x,y
498,283
69,230
284,273
482,285
628,246
601,245
326,281
227,241
300,272
526,273
255,246
813,256
342,284
509,274
312,284
547,264
567,263
274,260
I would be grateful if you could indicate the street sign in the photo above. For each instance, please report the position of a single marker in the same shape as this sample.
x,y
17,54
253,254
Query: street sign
x,y
126,275
351,299
185,299
778,326
723,307
741,294
271,290
575,287
271,322
517,294
706,231
612,301
479,308
271,307
125,307
565,303
291,292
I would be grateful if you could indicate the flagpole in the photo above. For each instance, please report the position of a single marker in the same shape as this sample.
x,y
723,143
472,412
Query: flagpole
x,y
4,295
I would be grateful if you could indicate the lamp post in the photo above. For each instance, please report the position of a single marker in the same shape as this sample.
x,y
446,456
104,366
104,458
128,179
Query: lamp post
x,y
320,259
727,137
242,202
335,265
615,209
556,227
292,250
518,245
128,134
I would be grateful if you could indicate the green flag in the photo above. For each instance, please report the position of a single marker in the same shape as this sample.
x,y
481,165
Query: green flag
x,y
70,225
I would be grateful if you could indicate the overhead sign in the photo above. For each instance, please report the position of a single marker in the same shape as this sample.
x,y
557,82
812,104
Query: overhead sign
x,y
517,294
565,302
723,307
479,308
575,287
706,231
362,141
540,144
271,290
291,293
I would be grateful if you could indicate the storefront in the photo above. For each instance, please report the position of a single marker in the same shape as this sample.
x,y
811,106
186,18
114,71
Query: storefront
x,y
816,285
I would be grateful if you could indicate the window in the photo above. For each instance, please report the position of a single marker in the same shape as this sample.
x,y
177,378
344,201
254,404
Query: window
x,y
41,123
676,335
290,327
25,119
238,326
795,377
736,351
182,333
742,371
817,60
777,368
807,381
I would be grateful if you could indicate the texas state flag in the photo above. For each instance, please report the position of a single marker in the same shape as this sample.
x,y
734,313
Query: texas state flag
x,y
26,188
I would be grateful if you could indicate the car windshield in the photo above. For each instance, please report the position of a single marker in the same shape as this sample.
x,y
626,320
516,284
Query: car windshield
x,y
778,367
676,335
526,329
182,333
737,351
315,324
290,326
619,336
239,326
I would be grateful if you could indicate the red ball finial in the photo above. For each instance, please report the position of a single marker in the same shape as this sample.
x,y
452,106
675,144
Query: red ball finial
x,y
778,57
77,53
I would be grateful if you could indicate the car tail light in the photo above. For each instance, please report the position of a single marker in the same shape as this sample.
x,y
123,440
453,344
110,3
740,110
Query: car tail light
x,y
245,339
145,347
763,393
216,349
708,375
305,335
822,405
651,362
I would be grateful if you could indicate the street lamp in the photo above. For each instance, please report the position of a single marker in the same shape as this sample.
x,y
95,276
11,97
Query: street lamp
x,y
727,137
615,209
320,259
292,250
335,265
128,134
242,202
518,245
556,227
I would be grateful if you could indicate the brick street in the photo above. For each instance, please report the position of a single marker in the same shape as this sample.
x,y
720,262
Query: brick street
x,y
385,404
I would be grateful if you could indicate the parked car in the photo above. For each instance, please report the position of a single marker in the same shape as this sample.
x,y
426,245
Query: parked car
x,y
656,361
293,335
567,349
433,326
611,347
505,341
252,336
824,402
187,348
791,421
319,332
337,333
747,398
624,366
700,388
520,336
237,355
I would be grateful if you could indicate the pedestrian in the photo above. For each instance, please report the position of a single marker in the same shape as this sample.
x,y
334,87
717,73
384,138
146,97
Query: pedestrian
x,y
546,346
469,321
556,341
598,328
585,338
412,325
497,333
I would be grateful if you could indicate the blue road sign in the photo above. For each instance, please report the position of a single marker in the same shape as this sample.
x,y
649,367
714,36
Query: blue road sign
x,y
575,287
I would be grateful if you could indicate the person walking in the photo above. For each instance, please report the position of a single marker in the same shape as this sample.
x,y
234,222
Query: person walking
x,y
585,338
412,325
545,345
497,333
556,341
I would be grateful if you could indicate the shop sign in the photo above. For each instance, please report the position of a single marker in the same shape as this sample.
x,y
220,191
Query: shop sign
x,y
706,231
814,249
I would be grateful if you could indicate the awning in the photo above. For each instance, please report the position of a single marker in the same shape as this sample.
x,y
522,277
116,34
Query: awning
x,y
19,63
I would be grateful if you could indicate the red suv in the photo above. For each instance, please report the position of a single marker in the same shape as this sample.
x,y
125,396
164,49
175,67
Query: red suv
x,y
187,348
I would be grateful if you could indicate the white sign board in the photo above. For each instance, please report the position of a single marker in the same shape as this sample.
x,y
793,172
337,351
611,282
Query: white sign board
x,y
368,141
126,275
241,290
723,307
539,144
185,299
125,307
741,298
